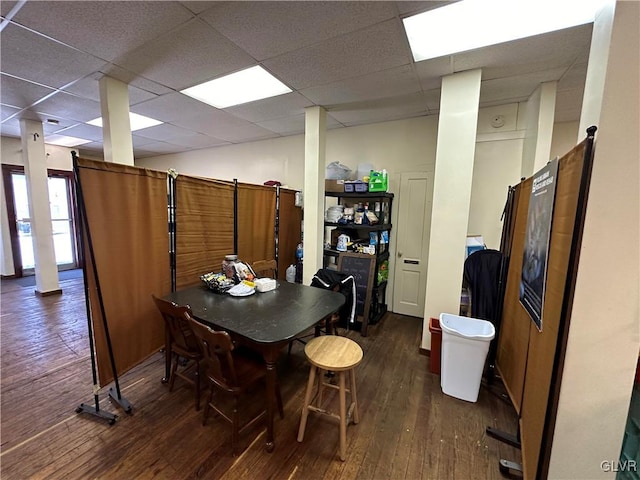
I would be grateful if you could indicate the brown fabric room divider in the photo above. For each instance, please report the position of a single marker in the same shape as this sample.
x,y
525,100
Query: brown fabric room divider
x,y
290,231
513,341
526,356
256,221
126,211
204,227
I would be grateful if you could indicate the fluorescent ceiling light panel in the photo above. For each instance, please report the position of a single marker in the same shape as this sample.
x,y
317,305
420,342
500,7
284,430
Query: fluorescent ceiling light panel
x,y
138,122
471,24
65,141
248,85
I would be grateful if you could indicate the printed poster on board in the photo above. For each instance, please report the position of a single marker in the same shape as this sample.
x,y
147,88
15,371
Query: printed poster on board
x,y
536,245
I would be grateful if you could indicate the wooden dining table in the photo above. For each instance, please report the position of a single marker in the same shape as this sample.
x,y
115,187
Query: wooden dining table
x,y
264,321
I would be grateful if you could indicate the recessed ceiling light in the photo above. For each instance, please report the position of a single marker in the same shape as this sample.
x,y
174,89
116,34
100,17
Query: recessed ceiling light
x,y
470,24
65,141
248,85
138,122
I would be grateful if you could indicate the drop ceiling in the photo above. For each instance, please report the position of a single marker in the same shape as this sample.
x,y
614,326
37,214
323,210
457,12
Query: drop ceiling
x,y
352,58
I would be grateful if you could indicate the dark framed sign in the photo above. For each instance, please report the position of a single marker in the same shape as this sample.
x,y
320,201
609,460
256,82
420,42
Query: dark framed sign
x,y
362,266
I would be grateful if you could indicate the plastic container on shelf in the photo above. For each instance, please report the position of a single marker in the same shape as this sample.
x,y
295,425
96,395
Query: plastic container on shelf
x,y
465,344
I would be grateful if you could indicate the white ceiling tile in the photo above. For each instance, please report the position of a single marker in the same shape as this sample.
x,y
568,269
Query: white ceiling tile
x,y
245,133
382,110
515,89
194,47
116,27
82,130
271,108
411,8
7,111
31,56
21,93
69,106
386,83
173,106
268,29
294,125
350,55
430,72
540,52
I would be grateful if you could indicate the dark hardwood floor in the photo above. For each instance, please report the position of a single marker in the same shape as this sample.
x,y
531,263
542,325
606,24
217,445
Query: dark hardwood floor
x,y
408,428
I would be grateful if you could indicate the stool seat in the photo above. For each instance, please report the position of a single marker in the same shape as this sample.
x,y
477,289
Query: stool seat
x,y
340,355
331,352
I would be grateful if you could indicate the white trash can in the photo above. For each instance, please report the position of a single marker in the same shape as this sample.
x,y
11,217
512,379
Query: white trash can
x,y
465,344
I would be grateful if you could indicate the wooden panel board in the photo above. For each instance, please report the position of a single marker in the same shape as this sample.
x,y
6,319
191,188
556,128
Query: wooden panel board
x,y
542,345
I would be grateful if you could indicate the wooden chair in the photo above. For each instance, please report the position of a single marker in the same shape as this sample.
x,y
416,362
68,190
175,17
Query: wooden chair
x,y
182,343
265,268
230,372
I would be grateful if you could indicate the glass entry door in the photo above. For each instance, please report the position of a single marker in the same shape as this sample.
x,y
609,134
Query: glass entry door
x,y
61,203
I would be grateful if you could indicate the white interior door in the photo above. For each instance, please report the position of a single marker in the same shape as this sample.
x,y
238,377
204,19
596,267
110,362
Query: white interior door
x,y
414,223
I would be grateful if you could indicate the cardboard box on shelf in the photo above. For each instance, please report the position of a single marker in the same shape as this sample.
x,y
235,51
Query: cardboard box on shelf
x,y
334,185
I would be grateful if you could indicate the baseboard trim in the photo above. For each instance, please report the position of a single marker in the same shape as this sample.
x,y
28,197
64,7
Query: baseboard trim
x,y
425,352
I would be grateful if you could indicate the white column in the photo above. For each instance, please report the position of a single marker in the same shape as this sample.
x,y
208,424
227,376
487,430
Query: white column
x,y
455,152
596,71
35,167
604,336
314,167
540,116
116,126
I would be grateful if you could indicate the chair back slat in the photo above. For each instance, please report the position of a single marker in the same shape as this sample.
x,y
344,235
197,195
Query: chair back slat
x,y
265,268
217,349
179,329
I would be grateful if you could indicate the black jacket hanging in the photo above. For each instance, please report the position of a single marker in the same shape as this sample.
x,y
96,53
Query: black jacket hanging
x,y
339,282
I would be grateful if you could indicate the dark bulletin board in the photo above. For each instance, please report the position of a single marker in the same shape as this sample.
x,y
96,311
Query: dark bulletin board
x,y
362,266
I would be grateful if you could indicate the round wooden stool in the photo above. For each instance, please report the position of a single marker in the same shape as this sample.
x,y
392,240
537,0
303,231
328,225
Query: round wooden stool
x,y
335,354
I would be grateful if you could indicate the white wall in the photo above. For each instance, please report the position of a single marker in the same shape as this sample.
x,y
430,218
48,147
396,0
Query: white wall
x,y
58,158
398,146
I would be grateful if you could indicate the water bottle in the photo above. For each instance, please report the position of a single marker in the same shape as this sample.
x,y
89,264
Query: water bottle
x,y
291,274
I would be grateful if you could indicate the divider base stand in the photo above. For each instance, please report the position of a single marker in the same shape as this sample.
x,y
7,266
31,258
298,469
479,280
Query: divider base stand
x,y
506,467
96,412
120,401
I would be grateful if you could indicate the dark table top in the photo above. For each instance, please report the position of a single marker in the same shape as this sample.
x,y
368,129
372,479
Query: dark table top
x,y
269,317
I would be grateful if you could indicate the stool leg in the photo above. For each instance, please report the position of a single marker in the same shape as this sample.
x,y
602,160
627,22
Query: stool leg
x,y
343,416
354,396
307,400
320,387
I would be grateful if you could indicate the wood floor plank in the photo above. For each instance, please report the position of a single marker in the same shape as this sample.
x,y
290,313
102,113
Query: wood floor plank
x,y
408,428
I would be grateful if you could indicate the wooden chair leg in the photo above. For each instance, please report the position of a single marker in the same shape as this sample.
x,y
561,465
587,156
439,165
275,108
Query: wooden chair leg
x,y
307,401
207,406
197,380
172,375
354,396
236,425
320,387
343,416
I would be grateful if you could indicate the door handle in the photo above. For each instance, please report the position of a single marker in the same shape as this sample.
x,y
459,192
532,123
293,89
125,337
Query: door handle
x,y
399,254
